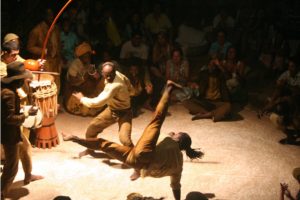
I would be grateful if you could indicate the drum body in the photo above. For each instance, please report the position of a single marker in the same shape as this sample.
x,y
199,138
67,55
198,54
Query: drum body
x,y
45,95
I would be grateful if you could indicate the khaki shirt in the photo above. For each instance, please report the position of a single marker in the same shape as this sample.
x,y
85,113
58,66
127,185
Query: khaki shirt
x,y
167,161
116,94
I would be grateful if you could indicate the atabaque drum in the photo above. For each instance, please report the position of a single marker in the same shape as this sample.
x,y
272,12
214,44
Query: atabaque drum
x,y
45,97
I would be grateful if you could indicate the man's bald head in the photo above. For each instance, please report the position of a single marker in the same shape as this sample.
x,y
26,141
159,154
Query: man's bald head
x,y
108,71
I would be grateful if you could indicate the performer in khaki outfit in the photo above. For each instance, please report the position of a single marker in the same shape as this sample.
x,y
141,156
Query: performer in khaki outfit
x,y
53,50
149,159
116,95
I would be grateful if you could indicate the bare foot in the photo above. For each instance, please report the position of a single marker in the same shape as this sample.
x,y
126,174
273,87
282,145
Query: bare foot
x,y
172,83
32,178
136,174
202,116
85,153
68,137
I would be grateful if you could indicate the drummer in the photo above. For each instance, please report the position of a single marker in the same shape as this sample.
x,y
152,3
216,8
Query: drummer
x,y
11,119
10,53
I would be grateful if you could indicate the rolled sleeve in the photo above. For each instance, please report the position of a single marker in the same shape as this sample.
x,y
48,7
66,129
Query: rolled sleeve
x,y
102,98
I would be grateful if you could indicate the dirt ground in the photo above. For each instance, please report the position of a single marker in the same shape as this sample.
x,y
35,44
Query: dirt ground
x,y
243,160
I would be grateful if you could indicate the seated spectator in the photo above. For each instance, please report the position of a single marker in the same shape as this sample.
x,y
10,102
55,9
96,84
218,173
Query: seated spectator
x,y
134,48
235,75
212,100
284,104
135,24
223,21
82,77
177,70
191,39
156,22
161,51
142,87
69,41
285,190
220,46
112,31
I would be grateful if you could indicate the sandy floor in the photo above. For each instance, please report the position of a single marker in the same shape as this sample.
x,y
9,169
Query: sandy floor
x,y
243,160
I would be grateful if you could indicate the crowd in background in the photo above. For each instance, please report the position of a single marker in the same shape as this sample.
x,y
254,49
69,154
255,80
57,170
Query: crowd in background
x,y
221,52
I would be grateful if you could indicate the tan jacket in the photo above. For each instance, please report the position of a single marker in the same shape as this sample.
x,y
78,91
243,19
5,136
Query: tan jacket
x,y
167,161
116,94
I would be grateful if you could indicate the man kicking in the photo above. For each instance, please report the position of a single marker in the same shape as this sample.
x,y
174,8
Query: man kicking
x,y
149,159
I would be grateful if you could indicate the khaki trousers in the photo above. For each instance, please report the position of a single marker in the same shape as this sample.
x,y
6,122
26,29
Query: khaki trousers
x,y
108,117
142,153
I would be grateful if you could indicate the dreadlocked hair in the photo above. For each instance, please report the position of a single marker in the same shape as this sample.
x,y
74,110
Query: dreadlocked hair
x,y
185,144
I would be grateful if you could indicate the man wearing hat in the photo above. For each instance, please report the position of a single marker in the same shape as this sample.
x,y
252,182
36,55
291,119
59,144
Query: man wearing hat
x,y
11,120
10,53
82,77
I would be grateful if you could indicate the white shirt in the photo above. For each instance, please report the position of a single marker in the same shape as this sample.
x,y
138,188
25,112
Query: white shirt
x,y
129,51
292,81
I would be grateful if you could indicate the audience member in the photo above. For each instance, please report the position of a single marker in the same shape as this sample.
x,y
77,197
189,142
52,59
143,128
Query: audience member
x,y
284,103
69,41
82,77
142,87
177,70
235,75
223,21
192,39
112,31
135,24
35,42
220,46
161,51
213,101
157,21
135,48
